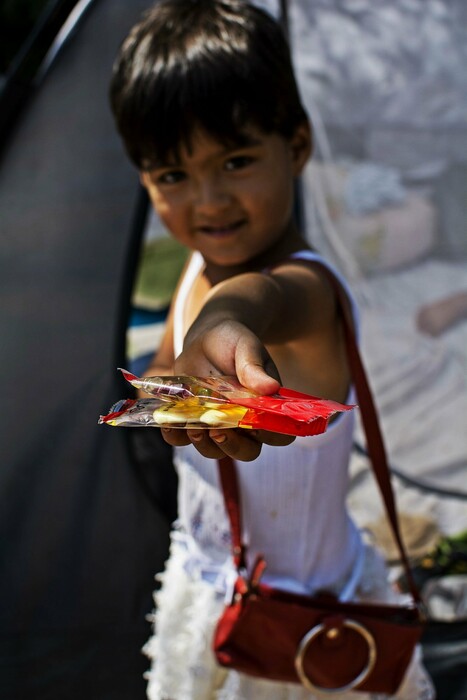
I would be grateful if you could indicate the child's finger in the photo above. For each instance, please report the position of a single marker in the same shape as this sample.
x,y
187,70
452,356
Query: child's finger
x,y
274,439
175,436
203,443
236,444
254,366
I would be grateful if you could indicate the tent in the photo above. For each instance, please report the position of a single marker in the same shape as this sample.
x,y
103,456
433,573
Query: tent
x,y
84,526
85,511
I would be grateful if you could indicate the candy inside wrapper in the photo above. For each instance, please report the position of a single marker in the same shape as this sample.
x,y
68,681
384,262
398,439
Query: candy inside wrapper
x,y
220,402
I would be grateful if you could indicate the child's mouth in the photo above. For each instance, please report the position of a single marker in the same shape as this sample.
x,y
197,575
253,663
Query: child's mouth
x,y
220,231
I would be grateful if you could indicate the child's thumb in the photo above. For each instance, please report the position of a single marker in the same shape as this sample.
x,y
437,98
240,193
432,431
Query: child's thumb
x,y
255,368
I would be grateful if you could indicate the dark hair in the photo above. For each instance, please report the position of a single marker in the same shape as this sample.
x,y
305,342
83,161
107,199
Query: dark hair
x,y
222,65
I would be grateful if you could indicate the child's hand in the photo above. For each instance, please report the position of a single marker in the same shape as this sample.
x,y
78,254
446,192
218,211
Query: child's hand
x,y
228,348
243,445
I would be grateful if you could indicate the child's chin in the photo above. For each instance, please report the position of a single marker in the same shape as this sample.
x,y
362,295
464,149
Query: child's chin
x,y
227,260
237,258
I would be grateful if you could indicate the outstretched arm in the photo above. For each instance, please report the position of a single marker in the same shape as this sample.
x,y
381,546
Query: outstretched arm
x,y
240,317
232,328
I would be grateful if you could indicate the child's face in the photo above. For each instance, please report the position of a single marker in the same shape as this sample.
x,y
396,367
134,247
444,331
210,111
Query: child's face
x,y
231,204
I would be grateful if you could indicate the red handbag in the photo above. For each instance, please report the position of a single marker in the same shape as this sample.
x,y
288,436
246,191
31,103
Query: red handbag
x,y
327,645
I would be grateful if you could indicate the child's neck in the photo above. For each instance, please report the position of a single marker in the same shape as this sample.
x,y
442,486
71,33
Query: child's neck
x,y
290,242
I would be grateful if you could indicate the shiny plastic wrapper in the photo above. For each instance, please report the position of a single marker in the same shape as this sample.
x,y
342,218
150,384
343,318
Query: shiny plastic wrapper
x,y
220,402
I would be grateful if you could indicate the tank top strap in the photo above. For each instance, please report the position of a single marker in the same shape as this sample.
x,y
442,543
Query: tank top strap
x,y
311,256
195,265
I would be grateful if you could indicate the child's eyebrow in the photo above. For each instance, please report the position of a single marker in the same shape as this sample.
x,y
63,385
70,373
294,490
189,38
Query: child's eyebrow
x,y
246,141
162,164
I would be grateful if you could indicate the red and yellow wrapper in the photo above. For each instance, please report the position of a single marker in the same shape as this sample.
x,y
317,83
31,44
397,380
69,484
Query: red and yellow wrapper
x,y
220,402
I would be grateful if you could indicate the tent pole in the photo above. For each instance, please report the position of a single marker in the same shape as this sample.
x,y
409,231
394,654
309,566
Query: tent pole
x,y
299,215
284,17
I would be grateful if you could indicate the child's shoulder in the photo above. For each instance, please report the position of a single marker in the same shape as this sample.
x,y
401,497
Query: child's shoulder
x,y
309,270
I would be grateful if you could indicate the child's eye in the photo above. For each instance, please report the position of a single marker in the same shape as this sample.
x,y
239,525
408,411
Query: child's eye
x,y
171,177
238,162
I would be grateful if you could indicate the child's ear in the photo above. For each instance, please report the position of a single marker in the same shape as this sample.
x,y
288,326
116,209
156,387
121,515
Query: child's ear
x,y
143,178
301,145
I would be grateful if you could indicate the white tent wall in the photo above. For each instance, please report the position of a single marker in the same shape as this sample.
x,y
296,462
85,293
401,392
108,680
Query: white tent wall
x,y
385,196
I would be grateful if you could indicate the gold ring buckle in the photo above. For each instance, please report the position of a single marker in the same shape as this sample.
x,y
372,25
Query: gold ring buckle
x,y
332,632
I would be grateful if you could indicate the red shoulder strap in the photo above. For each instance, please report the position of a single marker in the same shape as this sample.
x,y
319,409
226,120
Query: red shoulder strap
x,y
375,445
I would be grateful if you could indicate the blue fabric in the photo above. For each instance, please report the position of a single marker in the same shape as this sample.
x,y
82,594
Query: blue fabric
x,y
143,317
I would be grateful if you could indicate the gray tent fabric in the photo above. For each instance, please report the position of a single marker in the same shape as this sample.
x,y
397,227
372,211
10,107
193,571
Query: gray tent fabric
x,y
81,534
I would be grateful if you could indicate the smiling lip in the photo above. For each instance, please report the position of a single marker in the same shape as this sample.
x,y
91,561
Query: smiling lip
x,y
220,231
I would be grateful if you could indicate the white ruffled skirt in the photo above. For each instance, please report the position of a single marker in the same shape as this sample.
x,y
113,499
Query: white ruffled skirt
x,y
188,606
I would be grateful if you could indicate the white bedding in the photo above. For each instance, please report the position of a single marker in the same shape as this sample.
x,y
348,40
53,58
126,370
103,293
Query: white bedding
x,y
420,382
420,385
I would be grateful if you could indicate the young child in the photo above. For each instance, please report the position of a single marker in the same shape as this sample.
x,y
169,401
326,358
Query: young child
x,y
206,102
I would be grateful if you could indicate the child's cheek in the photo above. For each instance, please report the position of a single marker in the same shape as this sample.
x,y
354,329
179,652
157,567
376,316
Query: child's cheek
x,y
161,204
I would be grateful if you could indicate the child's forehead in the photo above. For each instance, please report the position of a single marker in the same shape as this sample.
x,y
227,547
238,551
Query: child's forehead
x,y
201,141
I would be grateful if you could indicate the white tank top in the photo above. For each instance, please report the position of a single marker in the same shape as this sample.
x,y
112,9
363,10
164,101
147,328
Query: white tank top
x,y
293,498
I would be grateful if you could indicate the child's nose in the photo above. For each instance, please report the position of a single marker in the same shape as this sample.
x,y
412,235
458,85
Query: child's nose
x,y
211,195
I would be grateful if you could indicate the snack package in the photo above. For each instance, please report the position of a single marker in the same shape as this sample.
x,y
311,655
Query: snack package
x,y
215,388
220,402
